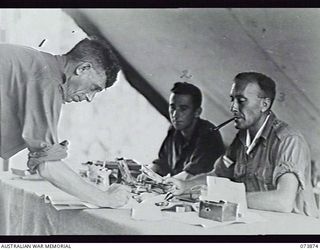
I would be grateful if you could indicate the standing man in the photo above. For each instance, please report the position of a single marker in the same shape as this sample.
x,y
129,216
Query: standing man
x,y
34,85
191,145
267,155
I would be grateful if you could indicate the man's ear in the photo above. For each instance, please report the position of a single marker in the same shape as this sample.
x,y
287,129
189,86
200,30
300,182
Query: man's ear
x,y
198,112
83,67
266,103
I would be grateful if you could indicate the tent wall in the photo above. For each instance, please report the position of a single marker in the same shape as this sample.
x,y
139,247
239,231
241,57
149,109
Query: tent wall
x,y
208,47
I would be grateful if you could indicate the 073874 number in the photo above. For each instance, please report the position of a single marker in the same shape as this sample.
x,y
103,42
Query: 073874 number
x,y
309,245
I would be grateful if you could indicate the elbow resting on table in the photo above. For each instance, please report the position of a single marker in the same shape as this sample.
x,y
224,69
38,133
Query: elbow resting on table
x,y
276,203
285,206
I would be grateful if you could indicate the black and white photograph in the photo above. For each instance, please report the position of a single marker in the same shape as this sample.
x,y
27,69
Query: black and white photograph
x,y
160,122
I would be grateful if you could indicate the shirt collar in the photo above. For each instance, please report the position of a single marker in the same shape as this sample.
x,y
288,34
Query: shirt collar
x,y
251,144
194,133
241,135
268,126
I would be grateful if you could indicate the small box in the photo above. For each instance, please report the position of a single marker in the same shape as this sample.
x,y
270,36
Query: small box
x,y
218,211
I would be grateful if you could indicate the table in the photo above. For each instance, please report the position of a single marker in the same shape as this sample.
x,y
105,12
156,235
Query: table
x,y
24,212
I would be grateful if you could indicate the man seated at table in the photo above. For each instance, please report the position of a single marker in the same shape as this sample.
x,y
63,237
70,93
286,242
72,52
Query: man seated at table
x,y
267,155
191,145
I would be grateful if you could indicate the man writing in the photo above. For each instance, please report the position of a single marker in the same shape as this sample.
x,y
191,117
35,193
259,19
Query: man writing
x,y
267,155
191,145
34,85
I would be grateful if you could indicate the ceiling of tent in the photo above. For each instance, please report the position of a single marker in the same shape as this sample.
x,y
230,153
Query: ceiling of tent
x,y
208,47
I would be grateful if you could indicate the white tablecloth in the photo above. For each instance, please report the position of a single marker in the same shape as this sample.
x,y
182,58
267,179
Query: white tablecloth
x,y
24,212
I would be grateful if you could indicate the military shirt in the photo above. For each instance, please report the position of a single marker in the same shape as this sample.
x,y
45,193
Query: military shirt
x,y
280,149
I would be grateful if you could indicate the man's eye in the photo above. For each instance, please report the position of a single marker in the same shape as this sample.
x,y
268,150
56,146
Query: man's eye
x,y
238,100
95,88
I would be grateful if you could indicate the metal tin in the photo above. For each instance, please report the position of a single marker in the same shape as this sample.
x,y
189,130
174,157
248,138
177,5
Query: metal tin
x,y
218,211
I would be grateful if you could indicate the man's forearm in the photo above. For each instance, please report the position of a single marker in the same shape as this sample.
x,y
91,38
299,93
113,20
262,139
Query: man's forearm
x,y
63,177
279,200
270,201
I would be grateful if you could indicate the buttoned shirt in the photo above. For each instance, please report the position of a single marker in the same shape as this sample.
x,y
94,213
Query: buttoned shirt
x,y
280,149
194,156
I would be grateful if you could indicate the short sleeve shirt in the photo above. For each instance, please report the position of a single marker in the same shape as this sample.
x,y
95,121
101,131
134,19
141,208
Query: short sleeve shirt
x,y
279,150
30,99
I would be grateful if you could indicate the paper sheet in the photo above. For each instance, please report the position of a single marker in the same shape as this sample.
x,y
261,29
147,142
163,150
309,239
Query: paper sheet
x,y
226,190
147,210
64,201
25,174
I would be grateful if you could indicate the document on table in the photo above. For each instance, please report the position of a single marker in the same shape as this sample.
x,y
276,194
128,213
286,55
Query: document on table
x,y
63,201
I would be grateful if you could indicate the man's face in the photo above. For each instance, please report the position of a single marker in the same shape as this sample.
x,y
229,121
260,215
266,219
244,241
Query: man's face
x,y
246,105
83,86
182,111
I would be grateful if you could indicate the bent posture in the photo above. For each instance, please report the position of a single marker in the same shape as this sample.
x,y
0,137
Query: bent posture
x,y
34,85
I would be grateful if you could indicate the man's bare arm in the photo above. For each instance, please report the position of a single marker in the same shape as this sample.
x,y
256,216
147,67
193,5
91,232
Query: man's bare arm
x,y
63,177
279,200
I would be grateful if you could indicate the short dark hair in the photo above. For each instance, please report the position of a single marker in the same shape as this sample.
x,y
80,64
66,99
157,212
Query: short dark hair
x,y
184,88
266,84
99,53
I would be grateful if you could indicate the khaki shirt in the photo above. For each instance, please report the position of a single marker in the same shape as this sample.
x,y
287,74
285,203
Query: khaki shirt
x,y
280,149
195,156
30,100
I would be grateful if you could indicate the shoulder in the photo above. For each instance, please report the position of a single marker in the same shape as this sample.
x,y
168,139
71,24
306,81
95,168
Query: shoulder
x,y
283,130
170,130
30,59
207,128
14,49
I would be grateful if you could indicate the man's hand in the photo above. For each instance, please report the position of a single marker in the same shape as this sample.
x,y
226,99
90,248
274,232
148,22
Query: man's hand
x,y
178,186
183,176
142,177
117,195
53,152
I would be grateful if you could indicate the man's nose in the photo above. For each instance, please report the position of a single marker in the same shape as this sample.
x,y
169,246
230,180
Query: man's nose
x,y
234,107
90,96
176,114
